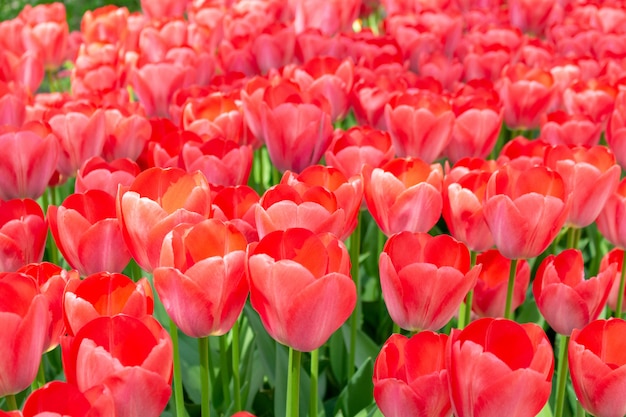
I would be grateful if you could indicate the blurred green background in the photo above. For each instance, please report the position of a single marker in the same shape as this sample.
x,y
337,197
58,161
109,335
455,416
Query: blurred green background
x,y
75,8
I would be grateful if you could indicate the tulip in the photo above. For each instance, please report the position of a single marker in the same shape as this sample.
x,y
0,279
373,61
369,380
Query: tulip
x,y
127,356
330,18
404,195
87,232
157,201
359,146
597,362
425,279
610,221
46,32
525,209
236,205
23,232
223,162
52,281
28,175
25,320
497,367
320,199
97,174
201,277
491,287
300,286
420,125
564,297
590,175
615,256
410,376
126,133
105,295
561,128
58,398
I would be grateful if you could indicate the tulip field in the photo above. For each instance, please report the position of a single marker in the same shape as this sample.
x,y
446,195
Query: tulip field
x,y
354,208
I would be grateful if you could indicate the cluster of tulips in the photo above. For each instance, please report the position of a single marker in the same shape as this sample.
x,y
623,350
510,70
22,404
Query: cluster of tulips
x,y
160,178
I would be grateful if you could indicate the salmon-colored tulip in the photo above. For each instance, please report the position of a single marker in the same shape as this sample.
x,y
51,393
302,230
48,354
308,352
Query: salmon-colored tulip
x,y
420,125
404,195
98,174
591,176
301,287
490,290
201,278
38,150
23,233
611,221
236,205
126,355
105,294
498,367
58,398
157,201
525,209
564,297
410,376
52,281
597,363
425,279
25,319
88,234
223,162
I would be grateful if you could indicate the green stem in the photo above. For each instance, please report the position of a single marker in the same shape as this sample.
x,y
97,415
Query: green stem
x,y
236,353
465,312
580,411
620,291
293,383
178,382
40,380
508,314
355,253
573,235
561,375
203,350
224,368
315,364
11,402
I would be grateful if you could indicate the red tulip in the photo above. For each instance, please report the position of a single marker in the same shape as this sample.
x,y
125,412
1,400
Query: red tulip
x,y
420,125
58,398
127,134
25,319
97,174
478,120
300,286
490,290
52,281
526,94
616,129
561,128
498,367
425,279
525,209
410,376
157,201
223,162
590,175
159,9
104,25
405,194
611,220
594,98
320,199
597,362
236,205
23,232
46,32
615,256
296,131
201,277
87,232
564,297
81,135
125,354
351,150
105,294
28,175
463,209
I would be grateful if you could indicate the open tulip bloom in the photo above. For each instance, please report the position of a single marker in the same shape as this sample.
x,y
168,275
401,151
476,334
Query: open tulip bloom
x,y
342,205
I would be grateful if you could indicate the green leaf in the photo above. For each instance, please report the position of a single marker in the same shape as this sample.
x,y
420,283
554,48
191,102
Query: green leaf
x,y
265,344
338,355
359,393
546,411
